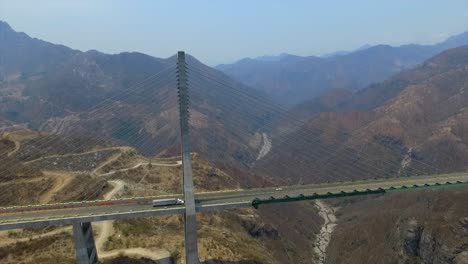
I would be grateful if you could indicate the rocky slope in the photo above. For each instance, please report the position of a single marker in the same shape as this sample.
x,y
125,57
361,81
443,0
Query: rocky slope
x,y
415,126
417,227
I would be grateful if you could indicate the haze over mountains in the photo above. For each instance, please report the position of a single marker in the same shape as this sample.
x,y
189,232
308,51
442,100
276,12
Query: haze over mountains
x,y
377,112
414,122
290,79
53,88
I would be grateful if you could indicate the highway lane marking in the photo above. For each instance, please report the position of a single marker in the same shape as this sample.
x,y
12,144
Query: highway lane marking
x,y
28,210
237,190
64,217
247,198
256,190
234,195
67,216
356,186
328,185
19,215
90,203
341,183
288,189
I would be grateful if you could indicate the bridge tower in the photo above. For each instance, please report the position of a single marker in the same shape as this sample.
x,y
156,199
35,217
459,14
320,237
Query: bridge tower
x,y
191,247
84,243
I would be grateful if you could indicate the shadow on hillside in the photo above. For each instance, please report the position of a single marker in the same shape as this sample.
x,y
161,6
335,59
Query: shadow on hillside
x,y
170,260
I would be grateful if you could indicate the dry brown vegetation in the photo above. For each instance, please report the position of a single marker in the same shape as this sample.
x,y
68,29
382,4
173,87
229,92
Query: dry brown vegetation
x,y
414,123
230,236
81,162
414,227
297,224
235,235
10,167
24,192
221,236
53,249
82,187
25,182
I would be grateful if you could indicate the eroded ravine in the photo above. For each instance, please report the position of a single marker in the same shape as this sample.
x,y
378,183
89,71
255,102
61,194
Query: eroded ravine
x,y
323,238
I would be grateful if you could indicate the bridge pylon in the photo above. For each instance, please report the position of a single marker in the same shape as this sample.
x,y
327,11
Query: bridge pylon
x,y
84,243
190,224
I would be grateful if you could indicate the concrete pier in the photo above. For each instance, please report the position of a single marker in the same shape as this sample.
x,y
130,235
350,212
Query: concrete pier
x,y
84,243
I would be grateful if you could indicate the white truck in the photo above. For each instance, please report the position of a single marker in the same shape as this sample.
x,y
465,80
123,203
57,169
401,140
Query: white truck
x,y
166,202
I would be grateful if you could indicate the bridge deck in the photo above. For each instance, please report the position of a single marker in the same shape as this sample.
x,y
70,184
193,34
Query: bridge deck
x,y
91,211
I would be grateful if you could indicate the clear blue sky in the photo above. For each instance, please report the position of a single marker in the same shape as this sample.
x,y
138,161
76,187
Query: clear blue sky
x,y
220,31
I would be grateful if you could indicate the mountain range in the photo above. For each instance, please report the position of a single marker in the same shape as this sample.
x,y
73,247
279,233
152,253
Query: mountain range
x,y
290,79
412,123
379,111
55,89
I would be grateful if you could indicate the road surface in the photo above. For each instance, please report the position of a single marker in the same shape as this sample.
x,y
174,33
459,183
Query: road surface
x,y
90,211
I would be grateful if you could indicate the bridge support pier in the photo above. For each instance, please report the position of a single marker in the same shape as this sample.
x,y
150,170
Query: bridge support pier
x,y
84,243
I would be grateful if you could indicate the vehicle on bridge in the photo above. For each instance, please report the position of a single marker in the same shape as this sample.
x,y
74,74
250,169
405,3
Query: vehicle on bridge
x,y
166,202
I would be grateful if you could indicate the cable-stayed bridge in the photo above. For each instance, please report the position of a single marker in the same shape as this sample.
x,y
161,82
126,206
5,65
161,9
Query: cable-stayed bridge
x,y
102,210
351,171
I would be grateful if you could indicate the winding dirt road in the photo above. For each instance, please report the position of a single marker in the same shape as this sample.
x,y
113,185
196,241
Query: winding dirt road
x,y
142,164
5,240
106,229
74,154
17,147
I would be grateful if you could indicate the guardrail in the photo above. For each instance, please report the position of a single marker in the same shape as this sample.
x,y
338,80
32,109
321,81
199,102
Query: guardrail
x,y
286,199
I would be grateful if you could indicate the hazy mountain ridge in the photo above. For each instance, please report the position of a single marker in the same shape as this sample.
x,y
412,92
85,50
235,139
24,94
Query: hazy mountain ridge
x,y
370,97
51,87
26,57
422,112
293,79
433,95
